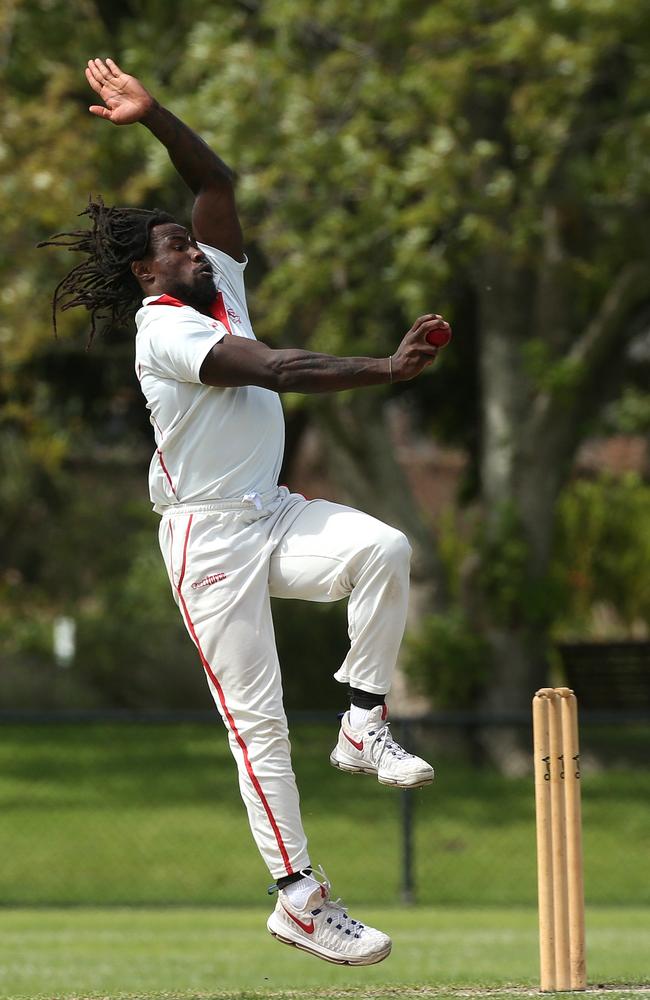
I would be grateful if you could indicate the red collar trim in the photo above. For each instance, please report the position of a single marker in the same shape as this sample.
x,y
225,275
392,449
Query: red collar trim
x,y
167,300
217,309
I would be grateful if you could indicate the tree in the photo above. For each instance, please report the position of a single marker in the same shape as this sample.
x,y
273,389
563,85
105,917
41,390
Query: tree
x,y
487,159
420,154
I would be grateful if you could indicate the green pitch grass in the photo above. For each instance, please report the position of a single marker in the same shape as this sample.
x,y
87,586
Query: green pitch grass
x,y
147,814
183,953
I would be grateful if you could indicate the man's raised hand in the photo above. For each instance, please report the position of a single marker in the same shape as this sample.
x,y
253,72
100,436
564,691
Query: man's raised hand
x,y
417,351
125,99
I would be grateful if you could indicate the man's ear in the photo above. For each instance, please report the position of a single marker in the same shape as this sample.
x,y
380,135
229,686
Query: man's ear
x,y
142,271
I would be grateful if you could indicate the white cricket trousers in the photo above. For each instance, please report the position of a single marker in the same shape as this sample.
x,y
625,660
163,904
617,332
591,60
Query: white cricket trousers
x,y
225,560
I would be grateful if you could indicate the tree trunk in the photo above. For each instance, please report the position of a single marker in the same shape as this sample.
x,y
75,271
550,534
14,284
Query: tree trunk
x,y
518,491
530,435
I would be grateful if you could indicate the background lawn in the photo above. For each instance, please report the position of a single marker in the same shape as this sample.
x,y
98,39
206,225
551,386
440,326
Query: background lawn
x,y
137,813
187,952
102,823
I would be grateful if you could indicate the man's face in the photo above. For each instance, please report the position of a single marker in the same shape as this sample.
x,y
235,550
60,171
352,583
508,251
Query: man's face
x,y
174,265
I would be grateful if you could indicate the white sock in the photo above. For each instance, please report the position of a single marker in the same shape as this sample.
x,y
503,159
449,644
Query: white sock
x,y
298,892
359,717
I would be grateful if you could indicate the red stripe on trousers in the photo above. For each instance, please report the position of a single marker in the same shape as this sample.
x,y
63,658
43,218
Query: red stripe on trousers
x,y
226,710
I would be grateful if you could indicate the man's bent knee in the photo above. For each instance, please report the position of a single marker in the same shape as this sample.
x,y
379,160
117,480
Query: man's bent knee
x,y
395,548
262,736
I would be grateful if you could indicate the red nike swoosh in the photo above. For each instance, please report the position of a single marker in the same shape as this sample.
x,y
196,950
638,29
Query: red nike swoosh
x,y
307,928
354,743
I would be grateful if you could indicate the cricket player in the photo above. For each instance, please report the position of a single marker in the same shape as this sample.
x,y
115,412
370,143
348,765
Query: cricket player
x,y
230,536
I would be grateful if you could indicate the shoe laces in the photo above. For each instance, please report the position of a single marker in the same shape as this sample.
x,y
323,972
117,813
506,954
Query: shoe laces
x,y
337,917
383,743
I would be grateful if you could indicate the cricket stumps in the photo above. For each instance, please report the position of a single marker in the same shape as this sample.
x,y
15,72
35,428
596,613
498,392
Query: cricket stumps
x,y
559,840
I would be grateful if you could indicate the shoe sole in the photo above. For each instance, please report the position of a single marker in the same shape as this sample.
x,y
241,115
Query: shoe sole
x,y
417,781
372,959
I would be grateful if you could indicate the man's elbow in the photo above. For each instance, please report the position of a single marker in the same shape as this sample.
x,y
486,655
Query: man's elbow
x,y
289,371
278,373
276,370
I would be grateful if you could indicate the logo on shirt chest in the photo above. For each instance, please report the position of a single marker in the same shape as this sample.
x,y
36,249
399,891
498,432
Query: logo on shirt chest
x,y
234,316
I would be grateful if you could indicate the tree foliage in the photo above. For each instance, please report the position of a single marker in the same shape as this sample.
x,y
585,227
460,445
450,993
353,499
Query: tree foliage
x,y
488,160
602,555
597,588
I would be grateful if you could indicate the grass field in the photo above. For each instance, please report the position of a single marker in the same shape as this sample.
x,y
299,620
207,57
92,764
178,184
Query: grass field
x,y
208,952
97,818
123,814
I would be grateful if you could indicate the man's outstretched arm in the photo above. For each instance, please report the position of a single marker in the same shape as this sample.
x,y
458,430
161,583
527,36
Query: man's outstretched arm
x,y
237,361
214,215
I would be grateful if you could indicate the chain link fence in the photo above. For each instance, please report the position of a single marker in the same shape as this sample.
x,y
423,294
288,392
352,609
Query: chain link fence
x,y
107,810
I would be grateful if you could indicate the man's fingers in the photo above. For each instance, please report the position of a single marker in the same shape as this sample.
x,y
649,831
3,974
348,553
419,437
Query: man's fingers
x,y
101,112
104,72
114,68
102,69
428,324
423,319
430,321
96,70
95,84
438,323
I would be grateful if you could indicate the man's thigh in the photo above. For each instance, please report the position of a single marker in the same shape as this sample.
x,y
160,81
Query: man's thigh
x,y
319,555
219,573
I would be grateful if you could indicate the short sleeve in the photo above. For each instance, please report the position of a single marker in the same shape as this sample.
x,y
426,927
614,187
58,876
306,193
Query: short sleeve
x,y
177,349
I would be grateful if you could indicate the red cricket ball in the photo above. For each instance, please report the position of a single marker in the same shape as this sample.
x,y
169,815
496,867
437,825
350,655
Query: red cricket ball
x,y
439,337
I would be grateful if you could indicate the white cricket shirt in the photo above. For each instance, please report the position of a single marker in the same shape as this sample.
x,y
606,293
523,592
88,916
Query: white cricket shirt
x,y
211,444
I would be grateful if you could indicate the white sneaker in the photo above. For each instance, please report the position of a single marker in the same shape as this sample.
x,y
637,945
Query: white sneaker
x,y
325,929
372,750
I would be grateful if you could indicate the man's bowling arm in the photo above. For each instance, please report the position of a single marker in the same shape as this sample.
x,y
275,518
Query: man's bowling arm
x,y
237,361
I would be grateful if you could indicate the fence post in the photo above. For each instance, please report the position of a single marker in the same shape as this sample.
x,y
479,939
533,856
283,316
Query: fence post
x,y
407,806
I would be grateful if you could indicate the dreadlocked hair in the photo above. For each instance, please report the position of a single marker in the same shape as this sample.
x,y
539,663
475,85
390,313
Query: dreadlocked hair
x,y
104,282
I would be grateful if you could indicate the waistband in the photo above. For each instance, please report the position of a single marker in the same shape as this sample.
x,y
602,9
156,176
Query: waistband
x,y
257,501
